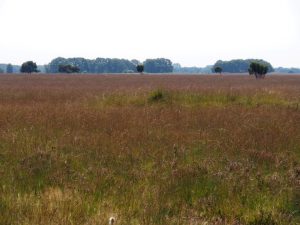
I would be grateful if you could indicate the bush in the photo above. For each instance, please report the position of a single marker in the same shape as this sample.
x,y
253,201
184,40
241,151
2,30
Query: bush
x,y
157,95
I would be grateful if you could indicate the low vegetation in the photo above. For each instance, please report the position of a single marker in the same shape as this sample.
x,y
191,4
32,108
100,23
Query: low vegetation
x,y
149,150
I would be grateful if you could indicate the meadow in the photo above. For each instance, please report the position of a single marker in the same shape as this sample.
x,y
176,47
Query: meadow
x,y
149,149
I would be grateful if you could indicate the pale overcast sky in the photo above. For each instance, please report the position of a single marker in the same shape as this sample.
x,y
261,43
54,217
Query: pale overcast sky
x,y
190,32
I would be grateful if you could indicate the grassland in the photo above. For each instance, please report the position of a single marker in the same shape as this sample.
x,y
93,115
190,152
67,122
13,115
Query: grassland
x,y
149,149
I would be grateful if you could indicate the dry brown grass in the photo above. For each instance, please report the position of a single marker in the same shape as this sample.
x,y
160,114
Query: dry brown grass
x,y
149,149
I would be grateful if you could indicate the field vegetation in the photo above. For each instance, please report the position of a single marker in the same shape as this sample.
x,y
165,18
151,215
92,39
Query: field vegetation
x,y
149,149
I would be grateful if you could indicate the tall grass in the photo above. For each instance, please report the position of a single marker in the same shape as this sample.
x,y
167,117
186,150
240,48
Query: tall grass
x,y
71,153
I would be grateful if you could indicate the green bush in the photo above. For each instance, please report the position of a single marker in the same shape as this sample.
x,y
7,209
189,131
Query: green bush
x,y
157,95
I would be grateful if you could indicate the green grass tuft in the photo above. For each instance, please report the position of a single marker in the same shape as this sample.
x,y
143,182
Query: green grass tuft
x,y
158,95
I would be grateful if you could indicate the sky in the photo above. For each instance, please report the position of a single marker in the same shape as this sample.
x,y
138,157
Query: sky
x,y
189,32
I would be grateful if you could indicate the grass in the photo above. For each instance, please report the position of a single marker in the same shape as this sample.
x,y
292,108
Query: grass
x,y
191,99
149,150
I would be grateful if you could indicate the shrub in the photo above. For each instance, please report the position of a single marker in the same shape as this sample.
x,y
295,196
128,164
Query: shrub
x,y
157,95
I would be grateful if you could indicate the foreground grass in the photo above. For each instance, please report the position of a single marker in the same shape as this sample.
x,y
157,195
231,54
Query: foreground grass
x,y
150,157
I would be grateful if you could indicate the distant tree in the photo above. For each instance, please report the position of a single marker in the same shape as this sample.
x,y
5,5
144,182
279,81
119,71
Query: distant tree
x,y
258,69
1,70
250,71
192,70
160,65
53,66
176,66
68,69
9,68
135,62
29,67
218,69
287,70
240,65
99,65
140,68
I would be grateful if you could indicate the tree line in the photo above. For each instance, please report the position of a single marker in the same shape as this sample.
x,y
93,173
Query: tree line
x,y
191,70
258,68
160,65
99,65
107,65
9,68
240,65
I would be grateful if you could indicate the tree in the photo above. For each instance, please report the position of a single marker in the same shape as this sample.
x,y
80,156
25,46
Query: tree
x,y
160,65
1,70
9,68
135,62
29,67
258,69
192,70
240,65
68,69
140,68
218,69
99,65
